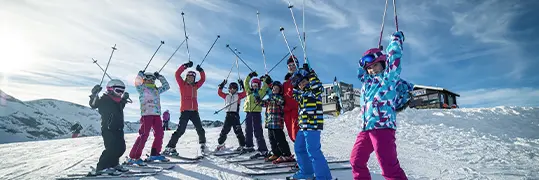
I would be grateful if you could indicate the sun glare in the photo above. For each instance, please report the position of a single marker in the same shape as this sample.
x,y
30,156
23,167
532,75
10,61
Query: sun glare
x,y
15,51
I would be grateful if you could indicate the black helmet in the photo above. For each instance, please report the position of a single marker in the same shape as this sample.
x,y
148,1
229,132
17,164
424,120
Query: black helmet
x,y
233,85
277,83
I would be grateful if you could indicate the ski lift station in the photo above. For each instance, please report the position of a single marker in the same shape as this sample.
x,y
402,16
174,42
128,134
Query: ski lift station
x,y
424,97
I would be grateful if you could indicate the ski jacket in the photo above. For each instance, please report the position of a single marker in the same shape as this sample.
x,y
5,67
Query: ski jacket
x,y
274,111
166,116
379,93
76,128
291,105
310,105
149,95
251,104
232,101
189,91
111,110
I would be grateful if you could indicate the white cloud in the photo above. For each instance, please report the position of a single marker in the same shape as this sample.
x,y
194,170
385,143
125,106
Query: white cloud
x,y
499,97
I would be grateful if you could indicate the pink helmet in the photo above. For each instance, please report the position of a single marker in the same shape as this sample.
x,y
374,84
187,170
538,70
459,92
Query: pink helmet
x,y
371,57
257,81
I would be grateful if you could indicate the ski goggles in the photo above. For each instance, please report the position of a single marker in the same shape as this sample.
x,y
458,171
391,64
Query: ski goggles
x,y
118,90
369,58
149,77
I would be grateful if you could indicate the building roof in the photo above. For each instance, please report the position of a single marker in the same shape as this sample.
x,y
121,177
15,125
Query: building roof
x,y
434,88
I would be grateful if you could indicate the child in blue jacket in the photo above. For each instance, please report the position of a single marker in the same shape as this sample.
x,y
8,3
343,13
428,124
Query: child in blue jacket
x,y
382,96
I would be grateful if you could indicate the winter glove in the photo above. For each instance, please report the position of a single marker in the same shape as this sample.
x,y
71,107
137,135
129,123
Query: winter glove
x,y
288,75
253,74
241,84
306,67
268,79
199,69
156,74
222,85
188,64
399,35
96,89
141,72
125,96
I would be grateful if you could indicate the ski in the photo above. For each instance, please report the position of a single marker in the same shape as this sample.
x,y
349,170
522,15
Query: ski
x,y
243,159
103,176
286,171
225,153
254,162
168,167
284,165
186,158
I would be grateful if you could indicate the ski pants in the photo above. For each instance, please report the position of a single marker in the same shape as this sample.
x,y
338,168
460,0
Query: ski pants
x,y
184,118
382,141
147,123
165,125
291,122
232,120
279,145
253,122
309,155
114,148
74,135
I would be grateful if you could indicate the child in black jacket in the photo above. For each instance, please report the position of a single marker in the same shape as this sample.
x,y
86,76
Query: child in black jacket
x,y
110,106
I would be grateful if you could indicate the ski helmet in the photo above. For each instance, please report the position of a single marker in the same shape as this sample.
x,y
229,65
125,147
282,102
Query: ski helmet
x,y
292,59
116,86
149,76
299,76
371,57
192,73
277,83
257,81
233,85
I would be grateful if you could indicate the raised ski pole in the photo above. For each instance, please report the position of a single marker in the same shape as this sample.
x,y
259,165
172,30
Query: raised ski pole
x,y
287,46
95,62
382,28
304,36
285,56
395,11
106,68
290,6
261,43
162,42
218,36
216,112
228,46
172,55
237,64
186,41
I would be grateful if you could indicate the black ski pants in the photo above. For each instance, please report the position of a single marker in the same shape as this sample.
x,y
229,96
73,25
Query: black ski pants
x,y
184,118
114,148
279,145
232,120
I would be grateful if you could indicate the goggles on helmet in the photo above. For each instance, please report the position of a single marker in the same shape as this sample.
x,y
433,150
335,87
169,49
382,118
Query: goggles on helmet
x,y
190,73
149,77
369,58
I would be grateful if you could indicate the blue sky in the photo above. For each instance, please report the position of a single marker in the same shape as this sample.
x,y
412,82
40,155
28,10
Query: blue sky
x,y
483,50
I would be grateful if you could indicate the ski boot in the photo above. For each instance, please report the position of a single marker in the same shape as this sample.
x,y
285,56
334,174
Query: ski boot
x,y
246,150
170,152
271,158
204,149
121,168
138,162
160,158
284,159
301,176
258,155
220,147
109,171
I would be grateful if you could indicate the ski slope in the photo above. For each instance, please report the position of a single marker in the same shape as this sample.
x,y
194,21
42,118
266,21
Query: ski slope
x,y
482,143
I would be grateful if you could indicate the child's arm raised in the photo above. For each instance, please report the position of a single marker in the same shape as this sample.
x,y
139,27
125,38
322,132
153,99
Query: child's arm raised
x,y
315,87
139,81
394,54
164,83
202,77
94,98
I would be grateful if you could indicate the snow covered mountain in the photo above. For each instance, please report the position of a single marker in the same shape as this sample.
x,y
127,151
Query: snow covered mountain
x,y
48,119
481,143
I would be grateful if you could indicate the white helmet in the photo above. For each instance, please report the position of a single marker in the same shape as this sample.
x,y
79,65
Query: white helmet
x,y
116,86
149,76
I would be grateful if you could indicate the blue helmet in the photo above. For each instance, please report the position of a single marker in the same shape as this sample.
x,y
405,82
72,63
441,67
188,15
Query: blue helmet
x,y
298,76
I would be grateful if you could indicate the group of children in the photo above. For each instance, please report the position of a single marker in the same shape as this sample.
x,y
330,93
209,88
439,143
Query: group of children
x,y
296,104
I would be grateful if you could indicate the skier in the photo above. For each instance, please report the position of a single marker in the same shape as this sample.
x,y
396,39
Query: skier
x,y
275,124
253,118
232,107
166,119
378,115
110,106
188,107
308,92
75,129
291,105
150,109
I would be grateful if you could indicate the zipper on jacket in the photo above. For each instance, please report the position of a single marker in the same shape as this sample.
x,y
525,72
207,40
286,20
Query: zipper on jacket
x,y
110,121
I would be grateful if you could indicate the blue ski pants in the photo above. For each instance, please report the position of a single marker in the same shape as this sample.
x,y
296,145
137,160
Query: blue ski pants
x,y
309,155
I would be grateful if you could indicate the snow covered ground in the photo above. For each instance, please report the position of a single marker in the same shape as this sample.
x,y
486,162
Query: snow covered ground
x,y
483,143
